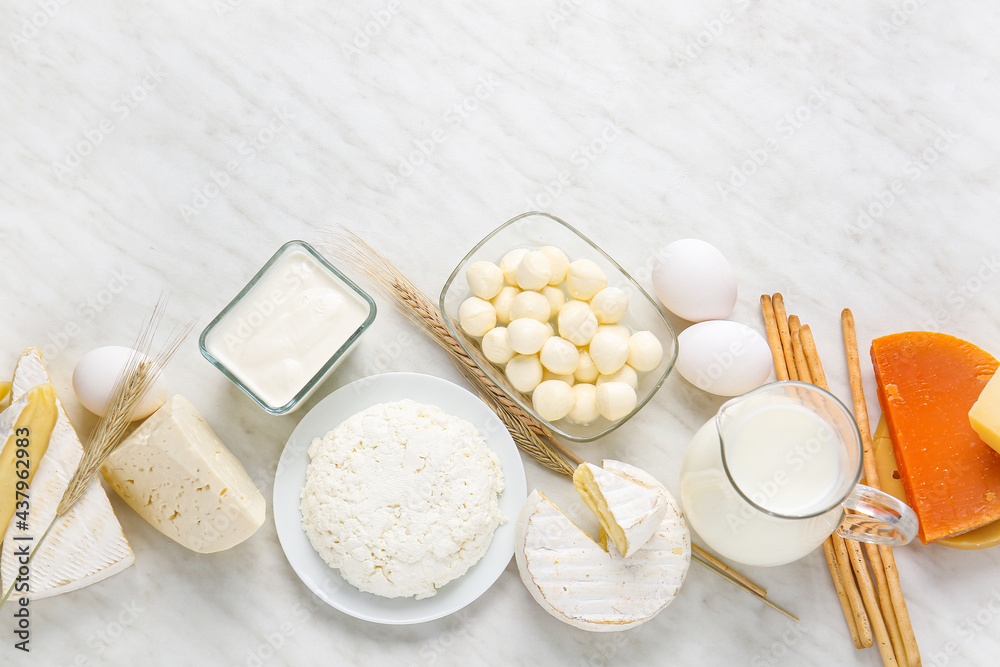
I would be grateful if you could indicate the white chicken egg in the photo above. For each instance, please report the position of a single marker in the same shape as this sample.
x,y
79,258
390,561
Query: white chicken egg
x,y
723,357
94,381
694,281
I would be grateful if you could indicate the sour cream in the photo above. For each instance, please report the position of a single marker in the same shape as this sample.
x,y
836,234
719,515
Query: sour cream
x,y
293,318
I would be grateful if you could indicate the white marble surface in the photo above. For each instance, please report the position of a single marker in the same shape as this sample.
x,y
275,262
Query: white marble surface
x,y
176,145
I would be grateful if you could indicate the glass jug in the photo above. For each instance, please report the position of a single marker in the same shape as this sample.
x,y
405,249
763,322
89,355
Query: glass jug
x,y
773,474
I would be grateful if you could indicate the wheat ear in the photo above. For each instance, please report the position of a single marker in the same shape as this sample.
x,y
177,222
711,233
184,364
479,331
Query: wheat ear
x,y
530,436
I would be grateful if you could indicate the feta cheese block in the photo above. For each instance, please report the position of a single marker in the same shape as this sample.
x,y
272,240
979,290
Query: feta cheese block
x,y
581,584
176,473
86,544
629,511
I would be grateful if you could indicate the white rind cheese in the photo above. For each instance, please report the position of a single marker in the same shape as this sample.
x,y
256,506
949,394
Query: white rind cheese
x,y
629,511
86,544
401,498
581,584
176,473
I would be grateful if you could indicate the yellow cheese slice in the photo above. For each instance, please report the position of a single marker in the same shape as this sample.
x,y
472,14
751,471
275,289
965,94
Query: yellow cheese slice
x,y
28,425
888,476
985,413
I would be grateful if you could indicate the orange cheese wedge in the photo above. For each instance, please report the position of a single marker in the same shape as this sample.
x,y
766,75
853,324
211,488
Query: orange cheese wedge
x,y
888,477
927,382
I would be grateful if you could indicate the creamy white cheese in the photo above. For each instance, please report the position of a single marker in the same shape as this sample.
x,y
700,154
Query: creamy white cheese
x,y
86,544
401,498
181,478
579,582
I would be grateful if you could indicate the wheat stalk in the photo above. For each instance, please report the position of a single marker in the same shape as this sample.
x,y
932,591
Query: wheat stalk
x,y
140,372
530,436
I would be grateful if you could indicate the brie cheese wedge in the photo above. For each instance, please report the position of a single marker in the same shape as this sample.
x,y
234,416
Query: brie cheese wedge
x,y
629,510
581,584
86,544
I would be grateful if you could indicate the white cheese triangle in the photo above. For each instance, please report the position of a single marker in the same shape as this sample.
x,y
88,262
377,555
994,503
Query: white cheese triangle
x,y
629,511
86,544
176,473
581,584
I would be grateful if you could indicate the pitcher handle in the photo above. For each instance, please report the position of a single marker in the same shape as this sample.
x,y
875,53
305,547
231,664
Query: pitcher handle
x,y
879,519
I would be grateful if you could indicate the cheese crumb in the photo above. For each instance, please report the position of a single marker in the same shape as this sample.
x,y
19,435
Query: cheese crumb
x,y
401,498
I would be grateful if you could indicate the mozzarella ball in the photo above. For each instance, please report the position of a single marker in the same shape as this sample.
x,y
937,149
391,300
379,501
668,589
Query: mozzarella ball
x,y
615,400
645,352
586,371
624,374
609,352
496,348
610,305
530,304
549,375
485,279
553,399
584,279
526,336
533,271
501,302
508,265
617,329
585,404
577,322
559,356
558,262
476,316
524,372
556,298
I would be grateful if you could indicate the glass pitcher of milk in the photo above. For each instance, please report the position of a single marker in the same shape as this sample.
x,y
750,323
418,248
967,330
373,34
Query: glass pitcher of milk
x,y
771,476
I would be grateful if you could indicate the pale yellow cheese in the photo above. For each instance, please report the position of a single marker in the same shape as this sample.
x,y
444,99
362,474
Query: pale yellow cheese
x,y
176,473
985,413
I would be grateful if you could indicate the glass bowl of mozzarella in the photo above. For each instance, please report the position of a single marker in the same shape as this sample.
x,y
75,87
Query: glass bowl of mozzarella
x,y
559,326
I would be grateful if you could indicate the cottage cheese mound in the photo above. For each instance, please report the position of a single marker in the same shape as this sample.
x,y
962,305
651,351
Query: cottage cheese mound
x,y
401,498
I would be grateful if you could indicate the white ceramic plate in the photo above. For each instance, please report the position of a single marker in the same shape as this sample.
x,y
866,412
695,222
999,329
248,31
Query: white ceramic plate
x,y
290,477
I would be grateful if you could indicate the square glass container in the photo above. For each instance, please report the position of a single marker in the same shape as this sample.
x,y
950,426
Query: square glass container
x,y
534,230
270,340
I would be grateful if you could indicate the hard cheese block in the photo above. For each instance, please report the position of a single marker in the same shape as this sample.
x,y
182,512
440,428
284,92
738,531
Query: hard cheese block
x,y
889,481
176,473
86,544
927,382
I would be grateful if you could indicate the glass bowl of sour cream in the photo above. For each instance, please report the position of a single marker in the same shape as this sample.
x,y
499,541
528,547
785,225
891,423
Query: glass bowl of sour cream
x,y
288,329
